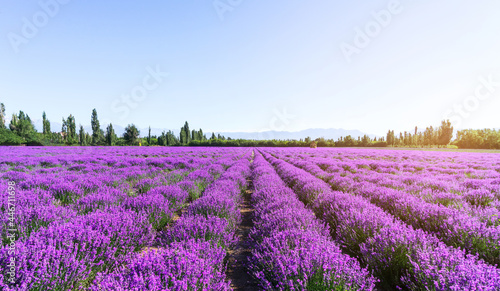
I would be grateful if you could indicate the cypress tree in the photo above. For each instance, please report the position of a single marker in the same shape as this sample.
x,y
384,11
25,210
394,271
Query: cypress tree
x,y
46,124
96,128
110,135
82,137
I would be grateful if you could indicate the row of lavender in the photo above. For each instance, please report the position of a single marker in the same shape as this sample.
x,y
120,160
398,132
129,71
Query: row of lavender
x,y
467,180
105,219
398,254
292,249
190,255
453,226
470,182
81,215
41,191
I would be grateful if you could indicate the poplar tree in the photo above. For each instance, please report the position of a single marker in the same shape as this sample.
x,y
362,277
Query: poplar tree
x,y
81,136
110,135
46,124
149,136
96,128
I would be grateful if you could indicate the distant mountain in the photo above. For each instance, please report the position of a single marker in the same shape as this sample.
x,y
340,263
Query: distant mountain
x,y
313,133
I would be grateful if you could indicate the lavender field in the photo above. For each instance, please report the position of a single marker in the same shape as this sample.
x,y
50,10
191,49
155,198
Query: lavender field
x,y
170,218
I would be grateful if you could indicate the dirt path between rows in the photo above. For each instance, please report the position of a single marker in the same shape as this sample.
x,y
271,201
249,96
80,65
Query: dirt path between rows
x,y
238,257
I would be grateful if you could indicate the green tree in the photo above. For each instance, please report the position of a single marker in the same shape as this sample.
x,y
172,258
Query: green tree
x,y
21,124
82,137
96,128
46,124
162,139
182,136
131,134
445,132
171,139
69,129
64,129
88,138
185,134
149,136
110,135
349,141
366,141
390,138
8,137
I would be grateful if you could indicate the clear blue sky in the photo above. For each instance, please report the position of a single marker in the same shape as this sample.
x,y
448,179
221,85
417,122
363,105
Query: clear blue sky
x,y
242,69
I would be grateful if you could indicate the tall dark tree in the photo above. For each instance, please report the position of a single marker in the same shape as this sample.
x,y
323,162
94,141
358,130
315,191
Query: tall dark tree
x,y
162,139
96,128
69,129
46,124
213,136
182,136
131,134
110,135
64,129
171,139
149,136
82,137
185,134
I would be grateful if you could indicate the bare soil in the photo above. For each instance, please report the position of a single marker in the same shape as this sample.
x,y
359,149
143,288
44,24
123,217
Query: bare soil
x,y
238,257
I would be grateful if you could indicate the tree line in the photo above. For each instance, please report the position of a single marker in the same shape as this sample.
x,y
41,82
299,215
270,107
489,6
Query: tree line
x,y
21,131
